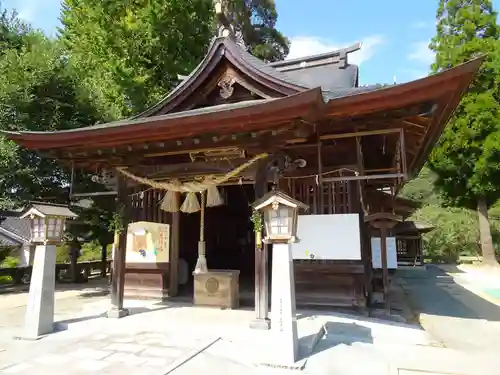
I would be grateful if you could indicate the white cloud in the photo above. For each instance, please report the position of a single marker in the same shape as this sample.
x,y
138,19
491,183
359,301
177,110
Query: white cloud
x,y
421,53
309,45
26,9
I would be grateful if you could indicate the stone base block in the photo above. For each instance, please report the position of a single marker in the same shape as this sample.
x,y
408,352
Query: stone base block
x,y
217,288
117,313
262,324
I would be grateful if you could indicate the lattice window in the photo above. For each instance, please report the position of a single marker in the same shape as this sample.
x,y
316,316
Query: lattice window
x,y
337,196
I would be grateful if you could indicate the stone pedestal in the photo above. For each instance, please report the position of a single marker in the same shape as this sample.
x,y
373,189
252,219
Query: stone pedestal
x,y
39,318
283,316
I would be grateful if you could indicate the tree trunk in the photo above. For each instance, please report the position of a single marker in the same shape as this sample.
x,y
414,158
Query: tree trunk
x,y
487,249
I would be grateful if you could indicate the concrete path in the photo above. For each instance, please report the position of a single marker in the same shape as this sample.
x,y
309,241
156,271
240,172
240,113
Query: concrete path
x,y
452,314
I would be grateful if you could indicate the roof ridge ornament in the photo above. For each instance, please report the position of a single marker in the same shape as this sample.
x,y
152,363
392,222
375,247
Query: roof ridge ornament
x,y
225,27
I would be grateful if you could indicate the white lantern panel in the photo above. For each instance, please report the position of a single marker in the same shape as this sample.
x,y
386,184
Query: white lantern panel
x,y
38,228
51,230
280,220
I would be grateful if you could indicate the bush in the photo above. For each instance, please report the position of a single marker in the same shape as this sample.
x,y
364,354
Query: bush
x,y
10,262
62,254
456,232
91,251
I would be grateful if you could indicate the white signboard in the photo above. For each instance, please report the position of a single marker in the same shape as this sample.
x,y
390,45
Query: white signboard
x,y
392,256
334,237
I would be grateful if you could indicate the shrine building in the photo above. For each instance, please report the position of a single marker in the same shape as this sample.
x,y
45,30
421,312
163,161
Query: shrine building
x,y
237,127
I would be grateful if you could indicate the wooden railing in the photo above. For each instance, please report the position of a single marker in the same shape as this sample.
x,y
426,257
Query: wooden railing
x,y
22,275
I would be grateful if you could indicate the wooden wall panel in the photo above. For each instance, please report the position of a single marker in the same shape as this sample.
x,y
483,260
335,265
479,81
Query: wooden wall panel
x,y
146,206
340,197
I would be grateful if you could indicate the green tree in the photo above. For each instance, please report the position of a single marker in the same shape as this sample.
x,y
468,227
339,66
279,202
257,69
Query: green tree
x,y
37,92
467,159
129,53
12,30
257,21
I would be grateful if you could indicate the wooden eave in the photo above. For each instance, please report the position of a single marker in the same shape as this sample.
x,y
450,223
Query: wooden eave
x,y
381,111
254,116
440,92
220,49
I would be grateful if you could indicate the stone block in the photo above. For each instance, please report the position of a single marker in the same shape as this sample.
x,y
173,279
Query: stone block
x,y
218,288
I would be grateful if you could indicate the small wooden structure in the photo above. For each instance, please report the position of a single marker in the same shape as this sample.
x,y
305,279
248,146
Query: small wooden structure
x,y
302,125
409,242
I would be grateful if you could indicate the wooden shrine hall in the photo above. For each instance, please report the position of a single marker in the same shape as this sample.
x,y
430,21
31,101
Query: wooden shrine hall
x,y
244,126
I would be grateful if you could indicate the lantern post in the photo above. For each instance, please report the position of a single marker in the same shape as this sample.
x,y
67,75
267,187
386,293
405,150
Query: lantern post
x,y
47,229
280,221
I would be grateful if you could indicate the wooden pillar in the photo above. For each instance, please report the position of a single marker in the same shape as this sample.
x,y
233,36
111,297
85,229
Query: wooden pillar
x,y
174,252
321,201
384,221
118,279
385,270
104,260
74,252
261,320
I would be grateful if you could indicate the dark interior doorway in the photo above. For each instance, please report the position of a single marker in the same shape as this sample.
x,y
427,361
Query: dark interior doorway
x,y
230,242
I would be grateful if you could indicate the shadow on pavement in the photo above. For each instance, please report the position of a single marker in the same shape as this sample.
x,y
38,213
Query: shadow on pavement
x,y
94,282
340,333
434,292
63,324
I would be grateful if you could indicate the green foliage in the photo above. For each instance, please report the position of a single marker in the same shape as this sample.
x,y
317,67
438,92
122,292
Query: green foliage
x,y
37,92
257,221
12,30
10,262
4,252
421,189
129,54
92,251
257,21
62,254
456,229
467,158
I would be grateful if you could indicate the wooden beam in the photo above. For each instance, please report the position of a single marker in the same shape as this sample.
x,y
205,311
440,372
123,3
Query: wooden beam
x,y
365,177
403,154
406,122
359,134
93,194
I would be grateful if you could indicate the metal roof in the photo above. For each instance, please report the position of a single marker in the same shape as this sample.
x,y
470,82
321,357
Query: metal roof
x,y
7,241
17,226
47,209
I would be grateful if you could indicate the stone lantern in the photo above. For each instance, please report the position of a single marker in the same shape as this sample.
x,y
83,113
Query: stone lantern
x,y
280,221
47,229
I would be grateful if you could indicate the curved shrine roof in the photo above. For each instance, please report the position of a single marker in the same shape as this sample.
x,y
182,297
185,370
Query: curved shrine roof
x,y
298,95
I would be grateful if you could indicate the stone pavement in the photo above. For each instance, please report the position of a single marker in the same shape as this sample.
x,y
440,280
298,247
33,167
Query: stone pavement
x,y
179,339
452,314
182,340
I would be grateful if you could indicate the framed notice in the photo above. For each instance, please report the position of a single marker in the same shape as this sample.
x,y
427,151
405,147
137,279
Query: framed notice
x,y
392,255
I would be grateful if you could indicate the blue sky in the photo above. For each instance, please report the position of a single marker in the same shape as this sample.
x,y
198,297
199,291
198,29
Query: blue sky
x,y
394,33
